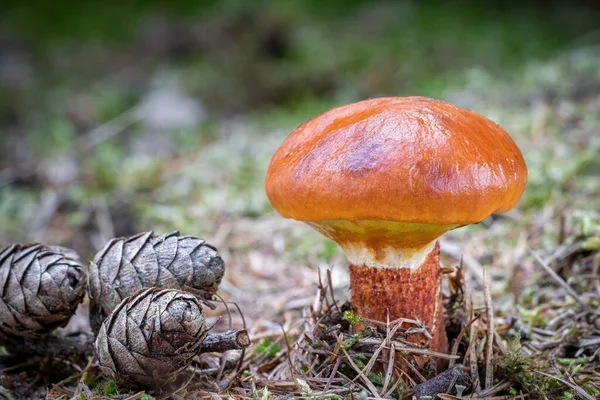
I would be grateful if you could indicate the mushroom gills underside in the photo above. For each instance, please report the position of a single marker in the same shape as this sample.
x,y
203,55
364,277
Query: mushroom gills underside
x,y
383,244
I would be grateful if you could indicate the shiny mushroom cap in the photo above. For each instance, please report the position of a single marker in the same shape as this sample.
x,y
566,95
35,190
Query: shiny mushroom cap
x,y
402,159
409,164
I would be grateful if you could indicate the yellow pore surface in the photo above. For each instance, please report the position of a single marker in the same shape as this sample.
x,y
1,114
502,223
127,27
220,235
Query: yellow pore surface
x,y
383,244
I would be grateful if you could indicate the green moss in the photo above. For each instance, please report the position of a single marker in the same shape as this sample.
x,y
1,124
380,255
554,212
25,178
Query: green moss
x,y
592,243
351,317
91,380
109,388
377,378
268,348
351,341
574,332
534,316
518,368
592,389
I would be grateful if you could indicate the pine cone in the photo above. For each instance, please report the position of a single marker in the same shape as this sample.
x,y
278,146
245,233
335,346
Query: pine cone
x,y
150,337
126,265
40,289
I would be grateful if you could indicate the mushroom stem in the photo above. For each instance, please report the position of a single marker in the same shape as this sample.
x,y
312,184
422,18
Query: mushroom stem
x,y
411,293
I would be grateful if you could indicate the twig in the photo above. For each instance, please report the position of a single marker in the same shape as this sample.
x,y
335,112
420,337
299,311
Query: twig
x,y
489,343
187,383
459,339
589,342
362,376
390,368
289,353
370,343
229,317
413,369
336,349
390,354
555,322
443,382
338,361
80,344
388,394
331,291
221,369
17,366
576,388
213,371
455,252
323,291
471,352
135,396
243,354
560,281
229,340
494,389
81,380
371,363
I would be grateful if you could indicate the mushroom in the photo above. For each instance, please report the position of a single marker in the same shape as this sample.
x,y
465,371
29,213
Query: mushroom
x,y
385,178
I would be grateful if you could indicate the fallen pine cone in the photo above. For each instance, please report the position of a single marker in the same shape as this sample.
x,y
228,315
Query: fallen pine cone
x,y
40,288
150,337
126,265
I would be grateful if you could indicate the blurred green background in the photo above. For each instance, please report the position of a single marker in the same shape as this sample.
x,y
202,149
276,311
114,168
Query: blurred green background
x,y
122,116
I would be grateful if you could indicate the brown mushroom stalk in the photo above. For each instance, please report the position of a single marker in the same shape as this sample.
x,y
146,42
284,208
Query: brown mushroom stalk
x,y
385,178
386,255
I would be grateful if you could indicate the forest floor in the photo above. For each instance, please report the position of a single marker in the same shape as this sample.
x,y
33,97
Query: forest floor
x,y
527,281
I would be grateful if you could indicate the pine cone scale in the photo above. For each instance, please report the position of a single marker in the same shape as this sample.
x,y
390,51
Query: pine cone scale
x,y
27,253
129,279
135,245
147,266
113,257
166,248
15,293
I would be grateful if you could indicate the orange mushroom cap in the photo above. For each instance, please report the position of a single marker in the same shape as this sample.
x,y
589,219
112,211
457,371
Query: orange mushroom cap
x,y
399,159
